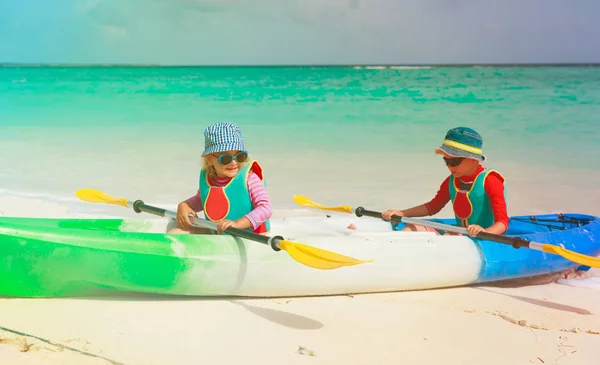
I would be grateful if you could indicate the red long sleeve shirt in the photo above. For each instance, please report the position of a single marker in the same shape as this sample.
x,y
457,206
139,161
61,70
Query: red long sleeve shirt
x,y
494,188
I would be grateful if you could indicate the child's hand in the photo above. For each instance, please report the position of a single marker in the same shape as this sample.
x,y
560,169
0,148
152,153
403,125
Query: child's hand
x,y
183,212
387,215
474,230
224,224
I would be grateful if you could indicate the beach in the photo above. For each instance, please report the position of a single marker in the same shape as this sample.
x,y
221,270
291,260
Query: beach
x,y
342,136
523,324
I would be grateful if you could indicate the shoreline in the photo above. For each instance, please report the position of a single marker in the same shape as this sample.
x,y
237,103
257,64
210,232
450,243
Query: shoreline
x,y
542,323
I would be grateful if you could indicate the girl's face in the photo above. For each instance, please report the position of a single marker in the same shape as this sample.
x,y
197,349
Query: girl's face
x,y
227,163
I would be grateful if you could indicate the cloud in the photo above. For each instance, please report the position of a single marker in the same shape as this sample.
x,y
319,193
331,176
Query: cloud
x,y
299,31
229,30
83,6
339,31
115,31
108,14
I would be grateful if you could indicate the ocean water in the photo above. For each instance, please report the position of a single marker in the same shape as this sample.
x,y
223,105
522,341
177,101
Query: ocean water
x,y
340,135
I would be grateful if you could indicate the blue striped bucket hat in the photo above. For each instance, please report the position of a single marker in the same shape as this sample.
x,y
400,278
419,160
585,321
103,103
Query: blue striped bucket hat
x,y
462,142
223,136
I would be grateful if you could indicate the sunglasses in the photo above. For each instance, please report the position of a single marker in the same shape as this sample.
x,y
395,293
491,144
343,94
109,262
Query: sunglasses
x,y
226,159
453,161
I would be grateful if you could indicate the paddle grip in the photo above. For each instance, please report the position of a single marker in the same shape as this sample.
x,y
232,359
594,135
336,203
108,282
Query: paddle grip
x,y
515,242
360,211
139,206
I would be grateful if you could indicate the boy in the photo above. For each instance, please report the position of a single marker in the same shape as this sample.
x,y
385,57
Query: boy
x,y
476,193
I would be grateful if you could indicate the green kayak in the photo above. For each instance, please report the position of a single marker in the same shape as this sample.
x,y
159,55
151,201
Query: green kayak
x,y
52,257
43,257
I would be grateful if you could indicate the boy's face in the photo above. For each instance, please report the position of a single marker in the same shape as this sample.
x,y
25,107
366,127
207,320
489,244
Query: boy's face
x,y
460,166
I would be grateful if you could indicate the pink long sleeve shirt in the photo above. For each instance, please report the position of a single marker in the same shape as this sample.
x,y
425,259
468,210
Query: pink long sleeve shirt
x,y
258,196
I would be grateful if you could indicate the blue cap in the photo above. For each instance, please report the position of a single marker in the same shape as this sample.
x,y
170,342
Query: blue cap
x,y
462,142
223,136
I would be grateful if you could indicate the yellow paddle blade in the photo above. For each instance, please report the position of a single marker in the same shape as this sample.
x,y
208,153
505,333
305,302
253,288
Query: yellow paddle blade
x,y
318,258
308,203
573,256
96,196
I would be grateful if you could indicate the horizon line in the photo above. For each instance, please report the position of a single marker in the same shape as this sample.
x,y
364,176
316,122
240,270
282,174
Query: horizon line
x,y
149,65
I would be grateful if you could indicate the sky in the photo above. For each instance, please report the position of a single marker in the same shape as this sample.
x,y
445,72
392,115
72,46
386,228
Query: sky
x,y
297,32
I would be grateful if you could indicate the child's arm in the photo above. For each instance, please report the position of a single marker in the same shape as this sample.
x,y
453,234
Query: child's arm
x,y
494,187
418,211
262,207
497,228
438,202
194,202
190,206
260,200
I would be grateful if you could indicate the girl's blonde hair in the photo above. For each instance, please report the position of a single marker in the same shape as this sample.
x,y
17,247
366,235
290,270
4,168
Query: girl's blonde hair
x,y
210,169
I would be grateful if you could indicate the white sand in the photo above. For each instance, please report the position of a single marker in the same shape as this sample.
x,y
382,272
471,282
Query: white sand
x,y
25,350
536,324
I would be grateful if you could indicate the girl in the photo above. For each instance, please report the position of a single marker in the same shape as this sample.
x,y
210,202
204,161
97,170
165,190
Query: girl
x,y
231,187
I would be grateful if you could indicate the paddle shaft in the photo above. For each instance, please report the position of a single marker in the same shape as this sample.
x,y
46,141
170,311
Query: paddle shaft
x,y
139,206
515,242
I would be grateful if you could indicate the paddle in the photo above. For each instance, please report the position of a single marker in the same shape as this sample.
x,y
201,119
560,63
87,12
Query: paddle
x,y
516,242
307,255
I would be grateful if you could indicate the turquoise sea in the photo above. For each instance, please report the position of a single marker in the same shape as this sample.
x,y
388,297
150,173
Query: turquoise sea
x,y
341,135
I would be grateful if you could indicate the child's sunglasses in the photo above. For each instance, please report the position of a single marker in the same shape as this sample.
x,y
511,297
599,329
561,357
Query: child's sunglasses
x,y
226,158
453,161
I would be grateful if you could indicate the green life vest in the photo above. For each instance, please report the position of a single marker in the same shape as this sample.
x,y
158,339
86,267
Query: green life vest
x,y
231,201
472,206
